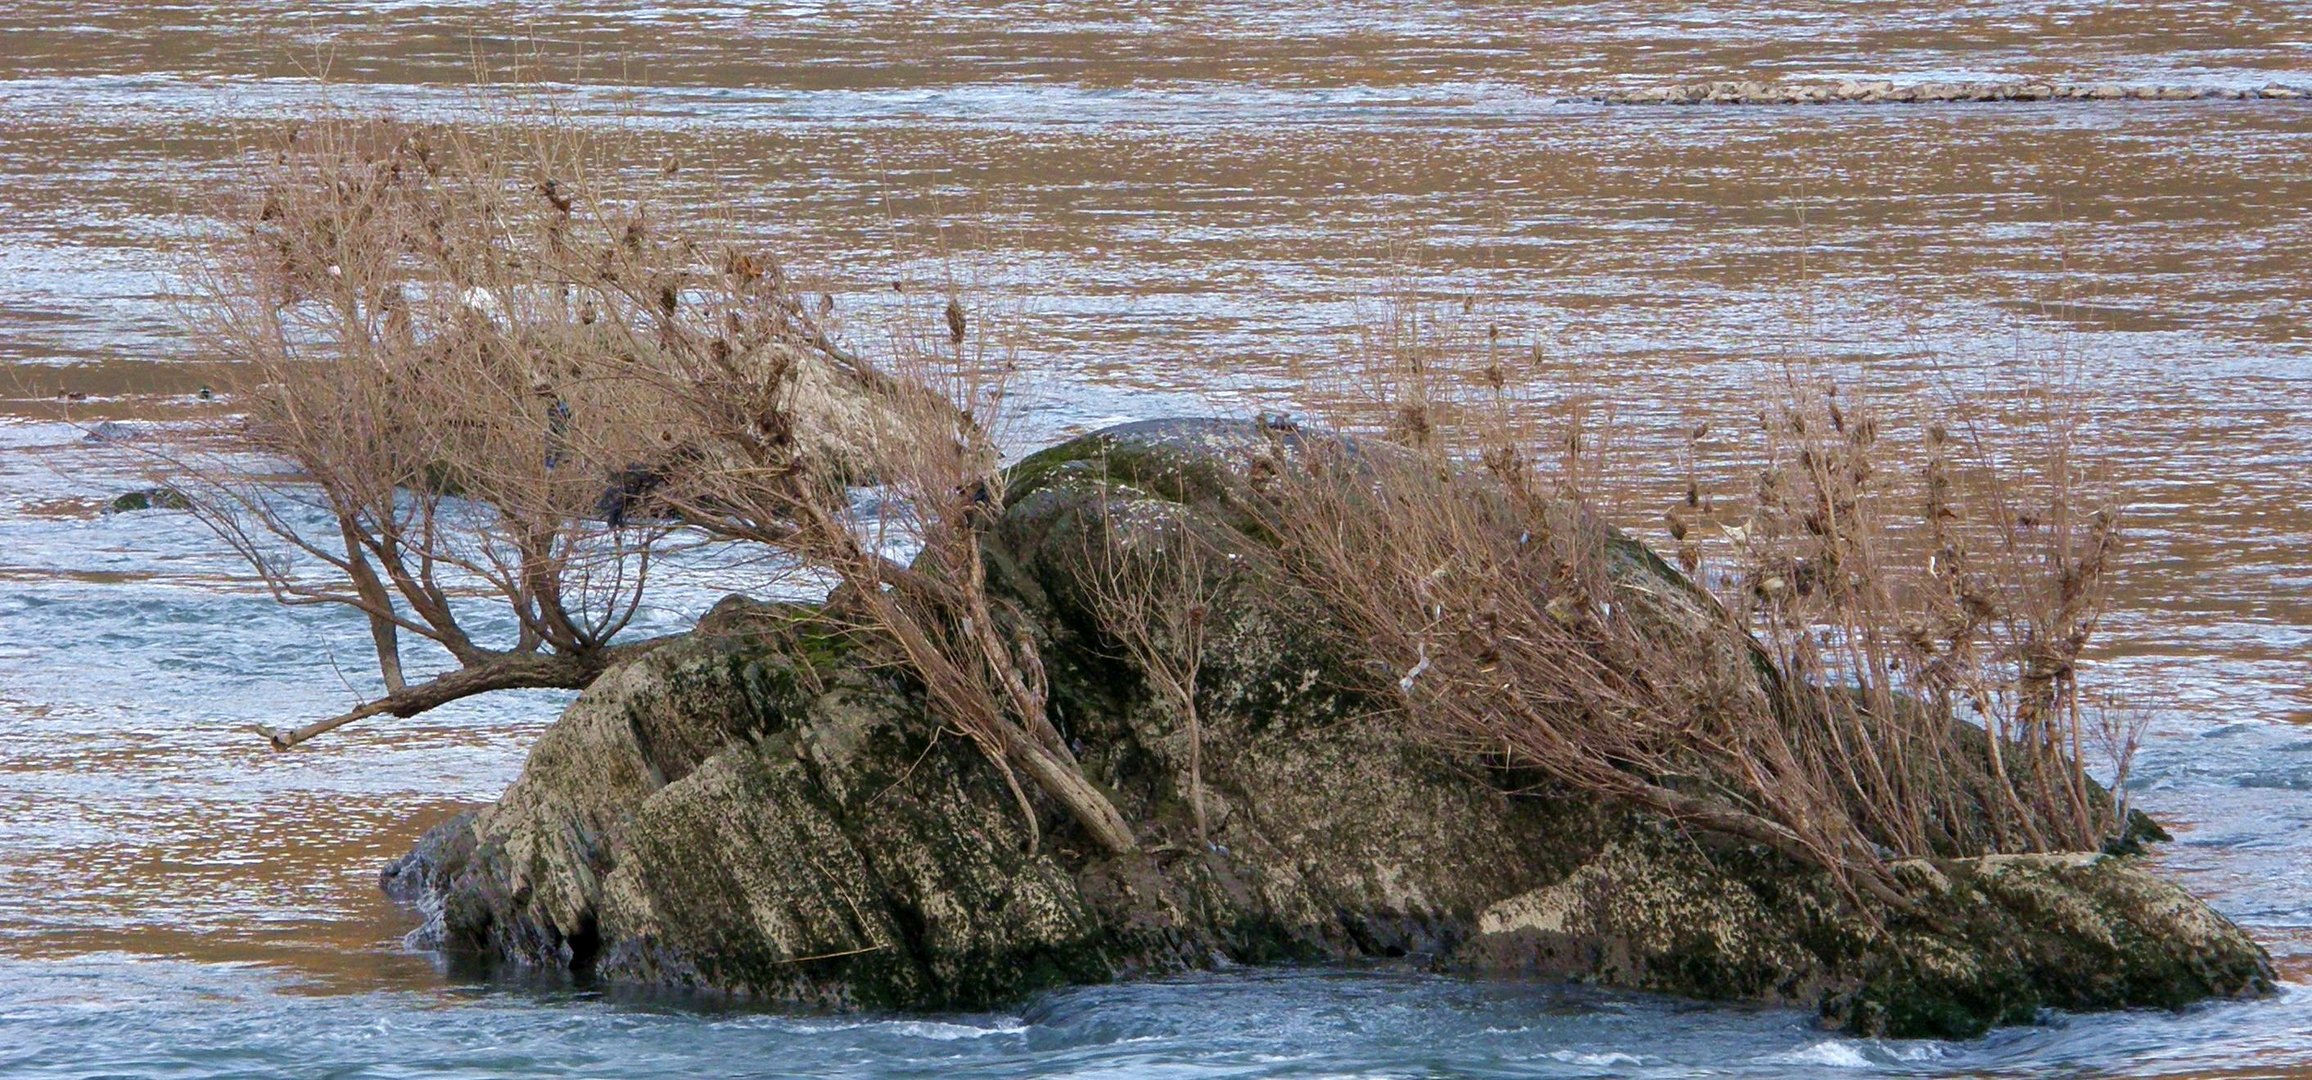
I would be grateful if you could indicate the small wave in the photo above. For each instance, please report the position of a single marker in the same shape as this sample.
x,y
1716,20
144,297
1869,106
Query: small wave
x,y
1852,1054
1576,1057
946,1032
935,1030
1834,1053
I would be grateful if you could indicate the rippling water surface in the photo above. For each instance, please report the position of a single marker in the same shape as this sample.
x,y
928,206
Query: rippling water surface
x,y
1189,205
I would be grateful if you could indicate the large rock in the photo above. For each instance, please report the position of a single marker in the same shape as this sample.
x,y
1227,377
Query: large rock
x,y
757,811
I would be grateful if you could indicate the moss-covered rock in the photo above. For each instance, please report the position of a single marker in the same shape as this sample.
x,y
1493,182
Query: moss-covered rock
x,y
2002,936
158,498
760,811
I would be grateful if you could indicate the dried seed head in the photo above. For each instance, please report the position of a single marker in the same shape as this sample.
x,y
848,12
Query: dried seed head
x,y
1413,421
554,195
1769,484
955,321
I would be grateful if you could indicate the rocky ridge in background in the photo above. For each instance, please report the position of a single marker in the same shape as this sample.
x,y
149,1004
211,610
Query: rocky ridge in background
x,y
1884,92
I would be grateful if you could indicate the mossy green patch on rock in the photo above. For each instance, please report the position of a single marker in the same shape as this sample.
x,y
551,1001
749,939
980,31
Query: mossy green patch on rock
x,y
2013,934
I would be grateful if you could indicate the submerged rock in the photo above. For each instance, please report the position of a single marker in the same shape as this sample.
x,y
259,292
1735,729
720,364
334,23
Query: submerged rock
x,y
156,498
761,811
113,431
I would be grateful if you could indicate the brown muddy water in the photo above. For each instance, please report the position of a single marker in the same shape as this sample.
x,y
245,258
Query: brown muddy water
x,y
1190,207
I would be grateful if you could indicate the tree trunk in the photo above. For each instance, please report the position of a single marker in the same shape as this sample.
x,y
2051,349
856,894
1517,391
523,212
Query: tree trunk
x,y
1088,805
501,671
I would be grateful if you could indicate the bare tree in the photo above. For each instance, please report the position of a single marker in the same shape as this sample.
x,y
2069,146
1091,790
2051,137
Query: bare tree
x,y
1511,632
1963,578
502,369
736,369
426,420
492,366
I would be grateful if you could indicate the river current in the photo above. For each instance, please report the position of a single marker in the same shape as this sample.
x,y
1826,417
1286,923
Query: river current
x,y
1188,205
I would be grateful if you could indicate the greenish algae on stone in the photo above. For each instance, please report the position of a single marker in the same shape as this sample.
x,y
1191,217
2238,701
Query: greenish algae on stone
x,y
759,811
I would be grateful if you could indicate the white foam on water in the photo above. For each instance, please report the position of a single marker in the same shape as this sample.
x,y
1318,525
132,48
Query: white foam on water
x,y
949,1032
1835,1053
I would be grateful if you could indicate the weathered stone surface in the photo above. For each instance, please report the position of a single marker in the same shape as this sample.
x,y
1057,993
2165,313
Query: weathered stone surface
x,y
759,811
840,414
114,431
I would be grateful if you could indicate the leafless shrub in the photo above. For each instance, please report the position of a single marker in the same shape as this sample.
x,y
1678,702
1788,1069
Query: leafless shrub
x,y
2118,731
736,368
1514,627
1152,582
1962,577
1870,604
